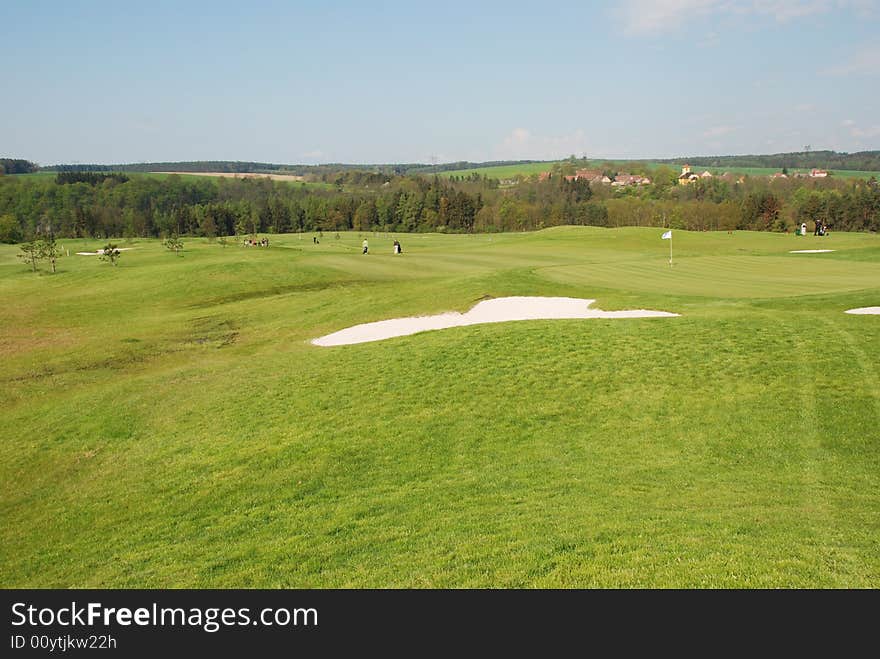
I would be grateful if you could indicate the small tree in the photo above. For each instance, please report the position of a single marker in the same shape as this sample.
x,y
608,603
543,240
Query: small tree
x,y
110,253
209,227
31,253
173,243
50,250
223,241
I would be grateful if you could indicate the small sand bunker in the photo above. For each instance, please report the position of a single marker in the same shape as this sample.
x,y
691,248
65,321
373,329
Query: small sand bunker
x,y
865,311
499,310
101,251
809,251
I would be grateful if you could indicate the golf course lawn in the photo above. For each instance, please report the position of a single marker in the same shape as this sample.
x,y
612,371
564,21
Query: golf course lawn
x,y
167,422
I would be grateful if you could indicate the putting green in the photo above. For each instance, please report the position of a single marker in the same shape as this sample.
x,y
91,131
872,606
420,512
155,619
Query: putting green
x,y
723,276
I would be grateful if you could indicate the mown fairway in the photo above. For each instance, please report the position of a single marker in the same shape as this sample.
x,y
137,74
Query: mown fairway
x,y
167,423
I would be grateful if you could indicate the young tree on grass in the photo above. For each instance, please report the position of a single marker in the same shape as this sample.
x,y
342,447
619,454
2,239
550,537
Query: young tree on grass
x,y
110,253
31,252
50,250
173,243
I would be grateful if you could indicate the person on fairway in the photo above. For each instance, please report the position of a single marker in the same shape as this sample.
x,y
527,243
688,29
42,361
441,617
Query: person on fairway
x,y
365,246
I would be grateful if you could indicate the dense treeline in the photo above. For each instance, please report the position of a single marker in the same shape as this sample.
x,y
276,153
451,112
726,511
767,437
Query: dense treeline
x,y
92,178
863,161
240,167
150,206
225,166
236,167
866,161
355,177
17,166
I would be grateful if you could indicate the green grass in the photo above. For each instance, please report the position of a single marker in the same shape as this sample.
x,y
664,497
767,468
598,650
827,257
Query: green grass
x,y
503,171
168,424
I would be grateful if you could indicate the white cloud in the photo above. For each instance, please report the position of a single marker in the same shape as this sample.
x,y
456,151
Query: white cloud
x,y
655,16
647,17
847,122
871,131
786,10
517,137
865,61
521,144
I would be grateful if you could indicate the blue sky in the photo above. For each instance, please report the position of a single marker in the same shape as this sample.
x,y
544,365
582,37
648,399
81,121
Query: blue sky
x,y
368,82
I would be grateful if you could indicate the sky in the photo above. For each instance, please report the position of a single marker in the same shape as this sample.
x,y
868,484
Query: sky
x,y
382,82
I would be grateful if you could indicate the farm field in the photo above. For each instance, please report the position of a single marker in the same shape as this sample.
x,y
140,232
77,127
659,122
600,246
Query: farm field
x,y
169,424
274,177
163,175
501,171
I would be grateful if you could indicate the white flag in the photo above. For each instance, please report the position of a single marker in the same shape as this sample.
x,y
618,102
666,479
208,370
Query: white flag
x,y
667,235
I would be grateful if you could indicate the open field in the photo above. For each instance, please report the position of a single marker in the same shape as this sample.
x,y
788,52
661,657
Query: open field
x,y
297,180
274,177
168,423
531,169
502,171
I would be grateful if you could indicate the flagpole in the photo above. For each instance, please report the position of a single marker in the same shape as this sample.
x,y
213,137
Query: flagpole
x,y
670,248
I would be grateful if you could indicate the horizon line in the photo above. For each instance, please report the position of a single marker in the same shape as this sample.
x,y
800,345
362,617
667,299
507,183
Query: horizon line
x,y
452,162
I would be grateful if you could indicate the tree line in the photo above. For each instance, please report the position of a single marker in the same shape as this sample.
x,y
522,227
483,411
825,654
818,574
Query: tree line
x,y
92,178
17,166
140,206
866,161
862,161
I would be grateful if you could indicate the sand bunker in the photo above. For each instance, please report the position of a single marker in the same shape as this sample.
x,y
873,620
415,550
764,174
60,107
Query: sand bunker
x,y
809,251
499,310
865,311
101,251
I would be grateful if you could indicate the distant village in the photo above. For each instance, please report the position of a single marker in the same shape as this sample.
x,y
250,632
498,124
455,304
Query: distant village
x,y
686,177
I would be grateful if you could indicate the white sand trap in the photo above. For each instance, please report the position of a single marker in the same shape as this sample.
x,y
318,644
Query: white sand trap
x,y
101,251
809,251
499,310
865,311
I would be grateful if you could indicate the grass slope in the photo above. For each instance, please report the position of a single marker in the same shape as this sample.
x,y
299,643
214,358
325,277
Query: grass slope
x,y
167,423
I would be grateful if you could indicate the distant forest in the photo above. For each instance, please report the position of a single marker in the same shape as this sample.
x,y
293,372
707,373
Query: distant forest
x,y
16,166
864,161
129,205
238,167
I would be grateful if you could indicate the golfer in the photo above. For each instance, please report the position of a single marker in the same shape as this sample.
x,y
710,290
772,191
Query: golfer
x,y
365,246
